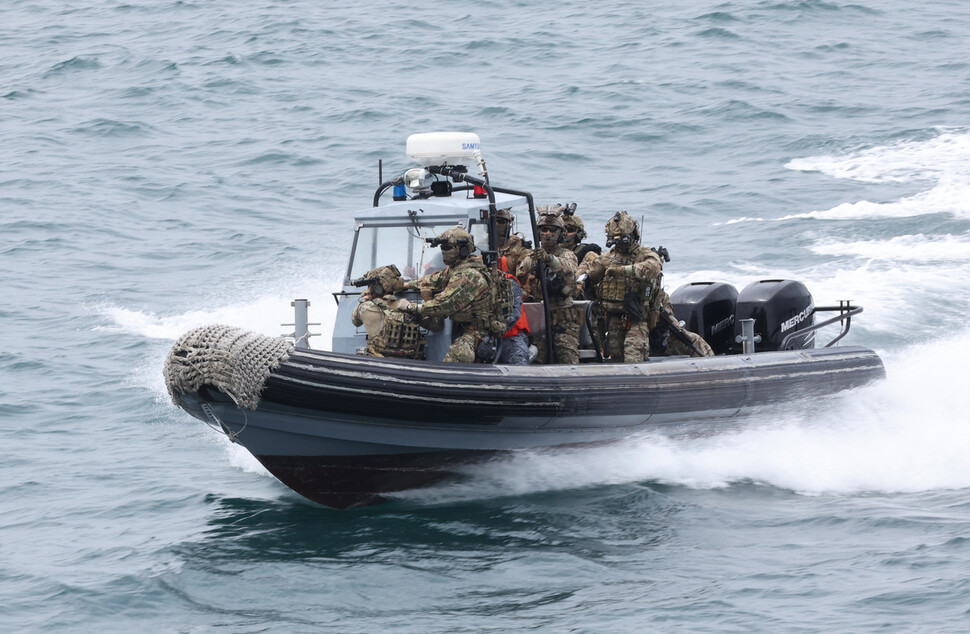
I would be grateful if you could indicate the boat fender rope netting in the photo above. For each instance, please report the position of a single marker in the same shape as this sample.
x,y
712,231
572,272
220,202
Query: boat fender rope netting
x,y
233,360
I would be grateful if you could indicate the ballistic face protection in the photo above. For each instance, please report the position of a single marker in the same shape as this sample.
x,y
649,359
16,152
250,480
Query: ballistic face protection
x,y
622,230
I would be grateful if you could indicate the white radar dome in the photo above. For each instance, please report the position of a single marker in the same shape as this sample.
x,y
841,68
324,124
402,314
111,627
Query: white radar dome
x,y
444,148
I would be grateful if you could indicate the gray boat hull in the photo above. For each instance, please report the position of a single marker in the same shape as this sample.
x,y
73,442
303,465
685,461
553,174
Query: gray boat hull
x,y
343,429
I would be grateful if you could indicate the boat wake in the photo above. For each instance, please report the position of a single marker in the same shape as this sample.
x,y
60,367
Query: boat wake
x,y
906,434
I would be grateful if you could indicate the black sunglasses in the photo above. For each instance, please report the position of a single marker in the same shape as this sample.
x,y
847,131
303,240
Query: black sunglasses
x,y
448,247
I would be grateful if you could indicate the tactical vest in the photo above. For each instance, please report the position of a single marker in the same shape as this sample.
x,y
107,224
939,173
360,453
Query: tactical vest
x,y
618,292
399,337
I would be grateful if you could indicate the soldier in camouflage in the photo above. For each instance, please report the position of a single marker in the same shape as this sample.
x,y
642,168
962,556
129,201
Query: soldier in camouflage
x,y
560,265
390,332
462,292
576,233
628,282
512,247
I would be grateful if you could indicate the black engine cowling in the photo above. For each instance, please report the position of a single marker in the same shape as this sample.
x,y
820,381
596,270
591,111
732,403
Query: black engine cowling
x,y
707,308
779,308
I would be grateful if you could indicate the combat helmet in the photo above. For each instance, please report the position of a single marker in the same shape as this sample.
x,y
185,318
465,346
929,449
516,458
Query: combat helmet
x,y
383,279
574,224
622,230
503,222
455,237
553,220
555,210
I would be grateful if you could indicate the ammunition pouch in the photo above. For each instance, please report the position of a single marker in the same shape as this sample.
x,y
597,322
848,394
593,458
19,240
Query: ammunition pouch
x,y
614,288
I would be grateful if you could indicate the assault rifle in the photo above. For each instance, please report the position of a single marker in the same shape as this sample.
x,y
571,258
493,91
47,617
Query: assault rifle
x,y
677,330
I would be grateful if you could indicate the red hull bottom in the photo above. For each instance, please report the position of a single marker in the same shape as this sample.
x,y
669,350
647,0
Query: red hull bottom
x,y
346,481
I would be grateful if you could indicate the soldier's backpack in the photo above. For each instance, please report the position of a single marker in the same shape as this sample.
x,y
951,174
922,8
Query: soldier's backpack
x,y
399,337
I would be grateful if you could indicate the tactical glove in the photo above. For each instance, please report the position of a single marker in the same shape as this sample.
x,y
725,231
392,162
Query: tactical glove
x,y
615,271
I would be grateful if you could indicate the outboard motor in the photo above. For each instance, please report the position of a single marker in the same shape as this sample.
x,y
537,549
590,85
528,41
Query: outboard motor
x,y
708,308
779,308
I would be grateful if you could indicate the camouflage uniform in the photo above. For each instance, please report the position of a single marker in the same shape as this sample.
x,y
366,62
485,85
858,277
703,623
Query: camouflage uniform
x,y
465,296
390,332
628,282
560,281
511,254
512,247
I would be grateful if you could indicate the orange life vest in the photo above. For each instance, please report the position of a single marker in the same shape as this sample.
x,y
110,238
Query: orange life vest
x,y
522,325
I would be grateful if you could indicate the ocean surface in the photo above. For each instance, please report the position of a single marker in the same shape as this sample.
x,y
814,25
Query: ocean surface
x,y
170,164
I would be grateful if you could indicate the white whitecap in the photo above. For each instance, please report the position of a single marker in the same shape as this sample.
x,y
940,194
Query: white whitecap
x,y
950,195
918,248
947,154
942,163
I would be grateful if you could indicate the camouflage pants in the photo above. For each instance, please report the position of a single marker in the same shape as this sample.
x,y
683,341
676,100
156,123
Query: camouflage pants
x,y
565,337
463,348
627,342
630,342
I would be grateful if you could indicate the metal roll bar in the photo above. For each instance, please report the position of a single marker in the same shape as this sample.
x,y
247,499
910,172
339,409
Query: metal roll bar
x,y
846,311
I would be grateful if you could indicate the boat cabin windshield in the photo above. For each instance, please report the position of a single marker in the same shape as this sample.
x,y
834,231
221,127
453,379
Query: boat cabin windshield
x,y
403,244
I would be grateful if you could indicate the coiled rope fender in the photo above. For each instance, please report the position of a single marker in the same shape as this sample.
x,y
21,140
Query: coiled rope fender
x,y
233,360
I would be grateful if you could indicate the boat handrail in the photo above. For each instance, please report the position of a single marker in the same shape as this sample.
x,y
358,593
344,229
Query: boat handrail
x,y
846,311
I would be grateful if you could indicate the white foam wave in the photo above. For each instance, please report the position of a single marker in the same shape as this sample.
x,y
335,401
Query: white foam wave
x,y
942,161
917,248
241,459
908,433
947,154
950,195
263,314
